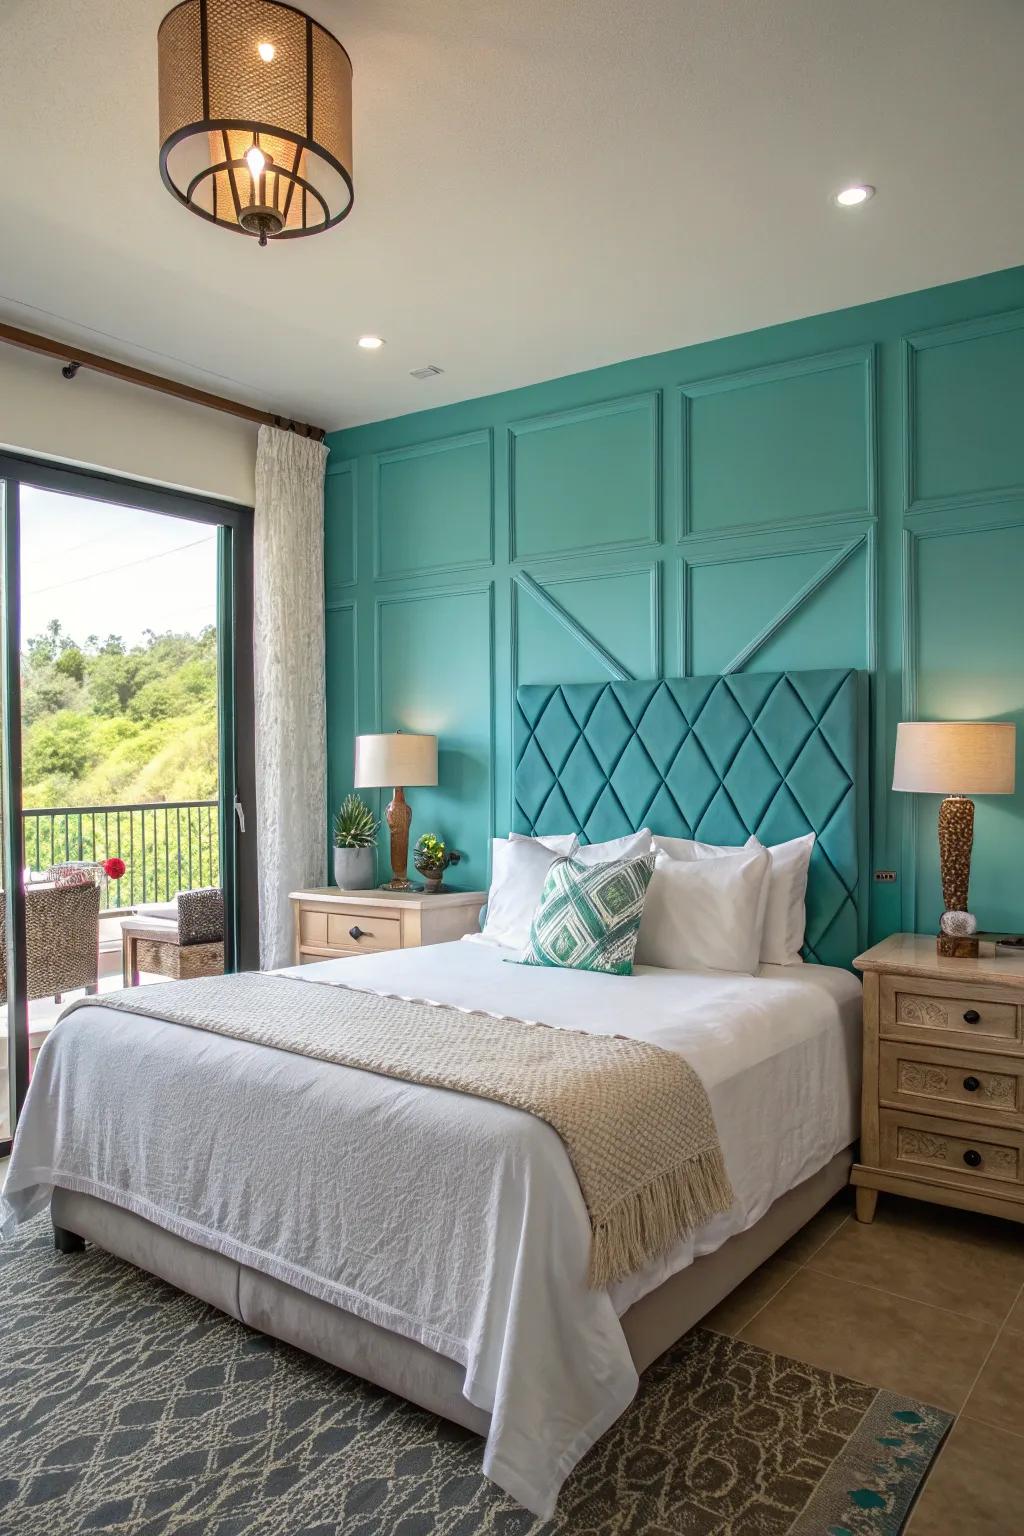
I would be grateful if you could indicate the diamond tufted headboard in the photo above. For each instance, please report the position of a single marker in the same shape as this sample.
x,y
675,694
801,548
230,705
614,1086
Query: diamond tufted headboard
x,y
778,754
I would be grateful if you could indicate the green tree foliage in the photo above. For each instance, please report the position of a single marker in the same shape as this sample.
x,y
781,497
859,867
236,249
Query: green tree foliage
x,y
106,723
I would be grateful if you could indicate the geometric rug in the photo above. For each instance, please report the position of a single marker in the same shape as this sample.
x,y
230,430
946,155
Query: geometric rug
x,y
131,1409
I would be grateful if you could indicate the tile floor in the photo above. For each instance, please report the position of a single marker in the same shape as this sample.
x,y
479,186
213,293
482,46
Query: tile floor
x,y
925,1301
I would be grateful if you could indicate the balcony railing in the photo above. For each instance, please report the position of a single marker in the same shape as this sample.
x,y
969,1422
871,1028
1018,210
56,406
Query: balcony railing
x,y
167,847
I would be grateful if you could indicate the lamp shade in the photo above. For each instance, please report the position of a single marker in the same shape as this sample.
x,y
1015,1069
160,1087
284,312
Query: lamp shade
x,y
954,757
255,117
395,759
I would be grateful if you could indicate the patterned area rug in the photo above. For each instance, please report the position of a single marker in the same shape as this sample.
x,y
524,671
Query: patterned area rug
x,y
127,1407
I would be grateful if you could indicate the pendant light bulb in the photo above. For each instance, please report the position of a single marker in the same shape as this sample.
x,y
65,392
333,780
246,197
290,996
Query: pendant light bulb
x,y
256,160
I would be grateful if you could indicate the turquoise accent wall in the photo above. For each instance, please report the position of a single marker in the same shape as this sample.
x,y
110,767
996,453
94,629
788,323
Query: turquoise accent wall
x,y
844,491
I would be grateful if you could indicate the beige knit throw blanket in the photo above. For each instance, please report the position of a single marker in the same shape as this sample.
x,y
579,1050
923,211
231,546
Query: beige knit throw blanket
x,y
634,1118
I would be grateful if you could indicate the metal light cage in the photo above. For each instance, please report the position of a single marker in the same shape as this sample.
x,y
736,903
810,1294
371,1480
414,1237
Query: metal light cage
x,y
220,96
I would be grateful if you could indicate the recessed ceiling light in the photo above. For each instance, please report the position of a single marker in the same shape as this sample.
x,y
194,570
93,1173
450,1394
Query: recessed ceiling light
x,y
266,51
852,197
371,343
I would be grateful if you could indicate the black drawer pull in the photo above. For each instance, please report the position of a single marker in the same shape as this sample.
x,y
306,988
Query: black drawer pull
x,y
972,1158
971,1084
972,1016
356,932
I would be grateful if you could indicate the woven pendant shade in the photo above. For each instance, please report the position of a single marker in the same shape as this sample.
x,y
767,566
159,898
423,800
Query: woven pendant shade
x,y
255,117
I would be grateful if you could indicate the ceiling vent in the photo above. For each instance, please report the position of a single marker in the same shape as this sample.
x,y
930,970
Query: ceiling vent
x,y
426,373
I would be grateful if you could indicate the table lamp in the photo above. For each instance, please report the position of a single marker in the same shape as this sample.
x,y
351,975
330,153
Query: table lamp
x,y
956,759
396,760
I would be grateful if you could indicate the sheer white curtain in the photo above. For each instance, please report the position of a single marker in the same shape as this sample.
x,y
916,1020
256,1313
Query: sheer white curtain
x,y
291,722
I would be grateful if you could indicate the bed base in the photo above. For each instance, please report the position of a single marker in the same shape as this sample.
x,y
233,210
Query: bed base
x,y
400,1365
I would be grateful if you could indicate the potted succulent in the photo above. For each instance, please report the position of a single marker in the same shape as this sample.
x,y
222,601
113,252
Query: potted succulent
x,y
355,839
432,859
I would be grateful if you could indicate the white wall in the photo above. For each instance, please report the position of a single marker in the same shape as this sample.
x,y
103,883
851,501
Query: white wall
x,y
105,424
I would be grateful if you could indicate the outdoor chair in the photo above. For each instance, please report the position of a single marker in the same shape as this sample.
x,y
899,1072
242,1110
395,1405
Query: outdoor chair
x,y
181,938
62,939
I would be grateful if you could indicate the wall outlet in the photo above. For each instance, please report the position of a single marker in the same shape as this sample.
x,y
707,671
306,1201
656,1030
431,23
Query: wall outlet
x,y
885,876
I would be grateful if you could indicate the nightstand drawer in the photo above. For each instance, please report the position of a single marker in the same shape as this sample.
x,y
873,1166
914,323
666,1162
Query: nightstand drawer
x,y
963,1082
355,932
938,1012
957,1154
321,930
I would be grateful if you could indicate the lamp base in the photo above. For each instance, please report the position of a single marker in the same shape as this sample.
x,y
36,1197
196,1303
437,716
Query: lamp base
x,y
956,837
955,946
399,885
399,819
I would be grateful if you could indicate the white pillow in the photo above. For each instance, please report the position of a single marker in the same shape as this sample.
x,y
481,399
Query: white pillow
x,y
689,848
564,843
785,916
705,913
568,845
519,868
629,847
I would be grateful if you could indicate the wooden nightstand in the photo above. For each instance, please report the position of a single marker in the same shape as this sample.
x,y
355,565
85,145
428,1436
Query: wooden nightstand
x,y
331,924
943,1105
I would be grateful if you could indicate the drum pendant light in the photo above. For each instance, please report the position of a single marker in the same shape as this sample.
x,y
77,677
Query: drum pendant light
x,y
255,117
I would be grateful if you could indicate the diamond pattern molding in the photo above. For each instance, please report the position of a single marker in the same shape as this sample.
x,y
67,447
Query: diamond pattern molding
x,y
776,754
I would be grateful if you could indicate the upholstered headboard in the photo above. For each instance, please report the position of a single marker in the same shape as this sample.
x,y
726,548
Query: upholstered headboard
x,y
778,754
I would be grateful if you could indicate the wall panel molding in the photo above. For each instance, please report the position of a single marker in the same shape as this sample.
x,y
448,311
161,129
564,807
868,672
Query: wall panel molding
x,y
647,404
395,599
437,446
911,347
340,470
951,525
753,378
615,669
735,550
340,728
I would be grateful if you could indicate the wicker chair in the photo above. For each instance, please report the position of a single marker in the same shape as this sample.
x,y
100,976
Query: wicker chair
x,y
62,937
180,938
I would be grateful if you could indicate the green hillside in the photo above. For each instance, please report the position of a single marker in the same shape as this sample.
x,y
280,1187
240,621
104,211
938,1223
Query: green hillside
x,y
110,724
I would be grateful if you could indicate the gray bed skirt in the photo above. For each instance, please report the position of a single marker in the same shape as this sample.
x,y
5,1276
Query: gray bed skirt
x,y
401,1365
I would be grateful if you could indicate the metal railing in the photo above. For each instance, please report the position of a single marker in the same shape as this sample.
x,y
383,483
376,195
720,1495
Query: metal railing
x,y
167,846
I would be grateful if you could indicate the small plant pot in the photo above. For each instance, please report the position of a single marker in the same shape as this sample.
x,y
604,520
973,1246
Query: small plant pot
x,y
354,868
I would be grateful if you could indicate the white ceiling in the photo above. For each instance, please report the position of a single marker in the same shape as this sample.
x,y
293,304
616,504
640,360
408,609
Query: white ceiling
x,y
541,186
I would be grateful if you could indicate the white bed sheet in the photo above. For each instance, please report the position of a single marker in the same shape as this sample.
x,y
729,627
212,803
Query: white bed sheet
x,y
451,1220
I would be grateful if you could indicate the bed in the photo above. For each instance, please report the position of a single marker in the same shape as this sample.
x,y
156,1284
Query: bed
x,y
434,1242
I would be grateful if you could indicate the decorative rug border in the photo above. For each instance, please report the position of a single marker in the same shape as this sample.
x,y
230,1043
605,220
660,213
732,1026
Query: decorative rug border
x,y
873,1482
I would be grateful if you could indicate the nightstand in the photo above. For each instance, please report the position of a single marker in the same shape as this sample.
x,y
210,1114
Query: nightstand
x,y
943,1098
331,924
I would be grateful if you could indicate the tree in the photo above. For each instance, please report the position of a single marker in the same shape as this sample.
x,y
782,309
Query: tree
x,y
107,723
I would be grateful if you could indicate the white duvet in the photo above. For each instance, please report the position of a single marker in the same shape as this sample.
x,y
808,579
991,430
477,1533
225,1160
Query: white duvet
x,y
449,1219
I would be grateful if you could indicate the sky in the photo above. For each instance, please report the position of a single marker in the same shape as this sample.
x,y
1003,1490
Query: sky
x,y
104,570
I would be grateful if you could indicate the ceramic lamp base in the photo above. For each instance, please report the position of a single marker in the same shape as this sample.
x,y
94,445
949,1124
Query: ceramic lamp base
x,y
399,819
399,885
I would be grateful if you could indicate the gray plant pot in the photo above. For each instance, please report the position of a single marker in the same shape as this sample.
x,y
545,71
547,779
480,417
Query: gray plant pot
x,y
354,868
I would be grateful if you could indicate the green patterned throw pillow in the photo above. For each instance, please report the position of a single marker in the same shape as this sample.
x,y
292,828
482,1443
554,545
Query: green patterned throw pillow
x,y
589,915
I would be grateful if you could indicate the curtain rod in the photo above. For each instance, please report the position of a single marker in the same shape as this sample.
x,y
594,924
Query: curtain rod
x,y
74,358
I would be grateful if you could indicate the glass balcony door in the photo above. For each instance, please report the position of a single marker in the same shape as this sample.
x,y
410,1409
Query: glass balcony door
x,y
127,744
14,1046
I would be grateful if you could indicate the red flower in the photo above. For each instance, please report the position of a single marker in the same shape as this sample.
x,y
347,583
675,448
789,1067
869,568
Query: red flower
x,y
114,868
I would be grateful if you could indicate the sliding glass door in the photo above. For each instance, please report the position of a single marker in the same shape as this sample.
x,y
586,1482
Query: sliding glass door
x,y
14,1048
128,830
